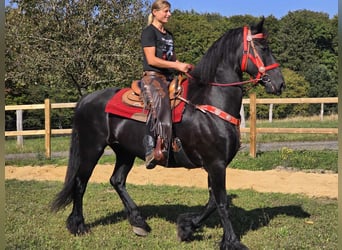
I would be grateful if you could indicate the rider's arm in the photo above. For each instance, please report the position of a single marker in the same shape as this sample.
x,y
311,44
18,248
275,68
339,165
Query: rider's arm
x,y
161,63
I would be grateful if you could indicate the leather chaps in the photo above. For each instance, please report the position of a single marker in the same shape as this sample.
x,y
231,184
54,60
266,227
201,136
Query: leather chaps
x,y
155,94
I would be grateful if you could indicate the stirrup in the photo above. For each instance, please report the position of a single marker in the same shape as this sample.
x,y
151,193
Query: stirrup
x,y
150,162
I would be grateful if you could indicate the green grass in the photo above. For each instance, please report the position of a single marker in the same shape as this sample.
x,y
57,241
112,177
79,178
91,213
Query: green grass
x,y
36,145
324,160
300,122
262,220
291,137
296,122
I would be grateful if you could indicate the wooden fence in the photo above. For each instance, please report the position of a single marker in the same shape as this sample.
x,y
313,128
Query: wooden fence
x,y
252,130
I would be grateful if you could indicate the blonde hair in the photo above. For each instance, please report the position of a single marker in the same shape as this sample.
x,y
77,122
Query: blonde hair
x,y
157,5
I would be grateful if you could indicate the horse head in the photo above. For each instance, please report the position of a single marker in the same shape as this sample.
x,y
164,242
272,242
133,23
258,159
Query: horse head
x,y
258,61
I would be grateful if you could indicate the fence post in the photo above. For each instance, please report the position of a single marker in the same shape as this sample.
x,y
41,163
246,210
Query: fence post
x,y
270,114
322,111
20,140
252,108
47,110
243,121
242,115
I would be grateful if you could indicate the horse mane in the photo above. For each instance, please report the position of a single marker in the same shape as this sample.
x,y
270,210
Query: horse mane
x,y
221,50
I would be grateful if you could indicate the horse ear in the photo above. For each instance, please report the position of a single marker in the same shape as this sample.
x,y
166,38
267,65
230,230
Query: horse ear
x,y
258,28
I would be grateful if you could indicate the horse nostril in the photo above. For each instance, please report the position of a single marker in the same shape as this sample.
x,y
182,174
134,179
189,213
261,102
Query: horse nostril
x,y
282,86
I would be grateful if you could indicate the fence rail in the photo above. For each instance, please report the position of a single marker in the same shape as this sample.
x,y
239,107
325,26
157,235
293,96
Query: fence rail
x,y
252,130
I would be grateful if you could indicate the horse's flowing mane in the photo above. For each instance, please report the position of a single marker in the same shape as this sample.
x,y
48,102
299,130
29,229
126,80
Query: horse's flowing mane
x,y
223,49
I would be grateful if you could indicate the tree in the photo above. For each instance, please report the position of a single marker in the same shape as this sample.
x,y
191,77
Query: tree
x,y
322,85
303,37
73,46
194,33
63,49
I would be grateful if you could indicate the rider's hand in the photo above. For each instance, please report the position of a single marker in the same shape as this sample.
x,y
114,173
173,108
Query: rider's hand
x,y
183,67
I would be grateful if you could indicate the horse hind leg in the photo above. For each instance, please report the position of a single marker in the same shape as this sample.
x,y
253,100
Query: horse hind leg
x,y
123,165
75,222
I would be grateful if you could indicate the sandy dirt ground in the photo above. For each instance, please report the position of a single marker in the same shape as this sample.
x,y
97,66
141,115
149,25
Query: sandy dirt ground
x,y
282,181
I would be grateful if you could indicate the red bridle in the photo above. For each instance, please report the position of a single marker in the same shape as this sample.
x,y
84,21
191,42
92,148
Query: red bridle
x,y
256,60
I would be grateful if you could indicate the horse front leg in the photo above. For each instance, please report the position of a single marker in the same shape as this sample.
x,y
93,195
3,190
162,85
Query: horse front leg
x,y
124,164
229,240
188,223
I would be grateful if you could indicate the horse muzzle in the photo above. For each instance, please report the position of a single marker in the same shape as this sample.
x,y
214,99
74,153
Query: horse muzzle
x,y
271,87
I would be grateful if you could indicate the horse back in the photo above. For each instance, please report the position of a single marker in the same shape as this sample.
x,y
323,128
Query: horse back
x,y
90,109
97,98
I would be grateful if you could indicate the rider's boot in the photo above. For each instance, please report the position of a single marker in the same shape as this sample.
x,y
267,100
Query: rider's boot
x,y
150,162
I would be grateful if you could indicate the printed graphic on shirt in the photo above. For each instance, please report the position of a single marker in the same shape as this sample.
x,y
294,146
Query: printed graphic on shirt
x,y
167,49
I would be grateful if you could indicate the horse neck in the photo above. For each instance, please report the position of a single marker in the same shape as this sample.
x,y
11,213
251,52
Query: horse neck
x,y
219,65
228,99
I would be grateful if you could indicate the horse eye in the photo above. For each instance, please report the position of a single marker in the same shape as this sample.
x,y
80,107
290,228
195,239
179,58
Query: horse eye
x,y
264,48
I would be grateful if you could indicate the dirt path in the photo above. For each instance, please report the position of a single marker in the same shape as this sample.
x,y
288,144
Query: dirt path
x,y
283,181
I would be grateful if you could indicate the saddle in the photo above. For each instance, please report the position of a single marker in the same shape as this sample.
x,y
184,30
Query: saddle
x,y
133,96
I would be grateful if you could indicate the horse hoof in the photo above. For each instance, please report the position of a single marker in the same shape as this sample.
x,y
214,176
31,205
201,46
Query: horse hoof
x,y
140,231
233,246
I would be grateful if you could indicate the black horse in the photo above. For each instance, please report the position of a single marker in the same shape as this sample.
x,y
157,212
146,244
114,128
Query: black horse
x,y
207,132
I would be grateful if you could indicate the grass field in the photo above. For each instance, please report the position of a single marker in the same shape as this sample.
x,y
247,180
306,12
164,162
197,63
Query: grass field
x,y
297,122
262,220
321,160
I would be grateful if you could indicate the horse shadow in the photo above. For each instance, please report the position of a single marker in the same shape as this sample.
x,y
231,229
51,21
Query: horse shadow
x,y
243,220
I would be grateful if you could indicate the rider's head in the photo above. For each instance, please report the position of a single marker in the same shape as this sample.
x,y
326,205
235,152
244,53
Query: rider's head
x,y
157,5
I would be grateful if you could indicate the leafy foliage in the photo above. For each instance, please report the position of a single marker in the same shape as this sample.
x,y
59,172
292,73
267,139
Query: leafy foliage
x,y
307,45
65,49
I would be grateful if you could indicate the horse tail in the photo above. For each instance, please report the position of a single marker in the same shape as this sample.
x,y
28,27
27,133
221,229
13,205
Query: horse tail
x,y
65,196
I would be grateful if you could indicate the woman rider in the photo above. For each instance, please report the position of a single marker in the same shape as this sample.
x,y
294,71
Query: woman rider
x,y
159,64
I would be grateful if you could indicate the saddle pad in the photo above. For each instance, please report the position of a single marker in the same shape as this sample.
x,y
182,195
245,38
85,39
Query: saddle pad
x,y
117,107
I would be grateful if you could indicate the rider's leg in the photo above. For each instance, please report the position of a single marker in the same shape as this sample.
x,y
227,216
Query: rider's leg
x,y
159,120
